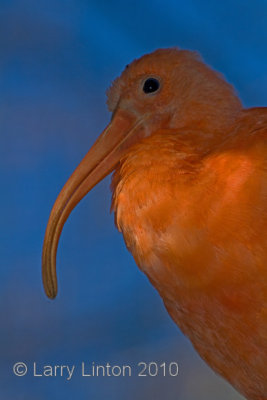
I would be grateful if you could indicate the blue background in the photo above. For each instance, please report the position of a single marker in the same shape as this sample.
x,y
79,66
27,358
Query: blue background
x,y
56,60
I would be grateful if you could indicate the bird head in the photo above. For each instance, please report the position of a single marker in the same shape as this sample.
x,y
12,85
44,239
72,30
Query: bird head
x,y
167,89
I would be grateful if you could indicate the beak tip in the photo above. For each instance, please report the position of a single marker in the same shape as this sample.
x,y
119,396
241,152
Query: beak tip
x,y
51,293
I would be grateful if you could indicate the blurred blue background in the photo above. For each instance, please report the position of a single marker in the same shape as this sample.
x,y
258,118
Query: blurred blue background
x,y
56,60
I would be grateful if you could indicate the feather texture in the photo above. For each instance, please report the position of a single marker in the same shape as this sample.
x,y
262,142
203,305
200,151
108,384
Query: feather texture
x,y
195,221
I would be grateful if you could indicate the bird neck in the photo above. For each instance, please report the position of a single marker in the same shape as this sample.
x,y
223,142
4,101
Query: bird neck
x,y
165,158
165,150
211,120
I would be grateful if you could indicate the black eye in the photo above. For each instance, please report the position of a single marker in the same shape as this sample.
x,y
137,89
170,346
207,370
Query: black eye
x,y
151,85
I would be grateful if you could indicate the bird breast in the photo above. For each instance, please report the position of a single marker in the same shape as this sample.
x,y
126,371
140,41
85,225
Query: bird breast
x,y
192,230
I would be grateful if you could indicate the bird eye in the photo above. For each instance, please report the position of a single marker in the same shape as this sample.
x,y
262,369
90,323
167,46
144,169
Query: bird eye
x,y
151,85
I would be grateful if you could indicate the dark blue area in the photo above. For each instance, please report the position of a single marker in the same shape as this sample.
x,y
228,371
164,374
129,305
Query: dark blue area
x,y
57,58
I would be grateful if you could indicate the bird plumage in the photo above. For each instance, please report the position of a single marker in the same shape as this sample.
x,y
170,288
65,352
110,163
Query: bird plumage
x,y
196,225
190,198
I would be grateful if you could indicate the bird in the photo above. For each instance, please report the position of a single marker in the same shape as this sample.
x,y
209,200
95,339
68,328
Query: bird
x,y
189,195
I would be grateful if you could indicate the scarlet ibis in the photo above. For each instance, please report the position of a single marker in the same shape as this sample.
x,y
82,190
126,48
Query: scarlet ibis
x,y
190,198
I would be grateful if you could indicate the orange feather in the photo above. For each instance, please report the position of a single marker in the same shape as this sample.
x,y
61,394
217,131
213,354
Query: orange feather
x,y
190,197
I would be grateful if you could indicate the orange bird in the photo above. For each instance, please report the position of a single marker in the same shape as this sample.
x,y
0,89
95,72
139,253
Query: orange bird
x,y
190,198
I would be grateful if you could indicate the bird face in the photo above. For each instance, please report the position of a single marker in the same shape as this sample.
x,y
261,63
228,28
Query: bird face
x,y
154,92
150,89
133,100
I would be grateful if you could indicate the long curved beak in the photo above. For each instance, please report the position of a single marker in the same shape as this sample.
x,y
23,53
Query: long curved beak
x,y
123,131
